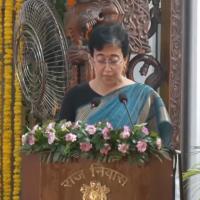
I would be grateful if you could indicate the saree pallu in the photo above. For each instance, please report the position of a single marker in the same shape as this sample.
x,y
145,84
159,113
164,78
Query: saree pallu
x,y
143,103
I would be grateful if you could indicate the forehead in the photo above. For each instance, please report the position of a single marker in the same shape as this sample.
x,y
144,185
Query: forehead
x,y
109,49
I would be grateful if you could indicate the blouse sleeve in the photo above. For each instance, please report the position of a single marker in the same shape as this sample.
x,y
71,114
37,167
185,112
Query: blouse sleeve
x,y
67,111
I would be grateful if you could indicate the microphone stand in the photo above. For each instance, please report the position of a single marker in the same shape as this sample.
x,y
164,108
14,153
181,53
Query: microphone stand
x,y
123,99
128,113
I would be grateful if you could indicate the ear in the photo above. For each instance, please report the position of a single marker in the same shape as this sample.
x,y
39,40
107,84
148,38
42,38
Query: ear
x,y
91,60
125,67
126,60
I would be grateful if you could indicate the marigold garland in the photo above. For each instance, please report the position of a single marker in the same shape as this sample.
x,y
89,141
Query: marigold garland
x,y
17,130
17,141
1,80
71,3
7,95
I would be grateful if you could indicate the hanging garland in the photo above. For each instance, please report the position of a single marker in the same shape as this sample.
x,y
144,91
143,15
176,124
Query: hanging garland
x,y
18,5
7,96
1,80
17,141
17,130
71,3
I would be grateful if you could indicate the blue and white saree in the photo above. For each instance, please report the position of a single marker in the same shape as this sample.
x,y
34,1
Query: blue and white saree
x,y
144,105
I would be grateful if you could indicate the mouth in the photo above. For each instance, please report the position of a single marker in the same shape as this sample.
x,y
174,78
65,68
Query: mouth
x,y
108,78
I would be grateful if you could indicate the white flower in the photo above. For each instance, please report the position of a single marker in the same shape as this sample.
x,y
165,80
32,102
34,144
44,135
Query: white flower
x,y
35,128
77,124
51,126
109,125
24,138
66,125
159,143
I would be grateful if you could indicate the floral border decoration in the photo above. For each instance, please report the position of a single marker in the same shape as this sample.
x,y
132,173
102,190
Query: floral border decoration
x,y
62,141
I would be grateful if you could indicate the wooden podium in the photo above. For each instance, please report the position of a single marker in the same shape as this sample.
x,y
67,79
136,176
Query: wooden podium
x,y
89,180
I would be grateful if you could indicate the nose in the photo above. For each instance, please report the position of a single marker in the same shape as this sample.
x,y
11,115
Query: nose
x,y
108,66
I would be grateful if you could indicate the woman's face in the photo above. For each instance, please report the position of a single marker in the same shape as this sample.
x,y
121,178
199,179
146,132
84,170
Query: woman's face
x,y
109,64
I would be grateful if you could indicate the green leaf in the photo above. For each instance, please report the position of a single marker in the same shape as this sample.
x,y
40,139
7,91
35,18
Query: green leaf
x,y
190,173
48,157
56,156
165,154
154,134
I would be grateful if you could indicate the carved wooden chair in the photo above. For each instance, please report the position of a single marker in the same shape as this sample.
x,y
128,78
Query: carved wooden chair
x,y
135,16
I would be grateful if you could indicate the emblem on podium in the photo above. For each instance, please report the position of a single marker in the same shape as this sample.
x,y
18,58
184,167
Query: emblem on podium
x,y
94,191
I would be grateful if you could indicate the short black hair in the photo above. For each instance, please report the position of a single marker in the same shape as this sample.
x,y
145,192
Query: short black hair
x,y
104,34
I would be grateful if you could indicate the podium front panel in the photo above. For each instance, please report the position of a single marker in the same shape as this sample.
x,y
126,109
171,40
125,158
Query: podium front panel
x,y
90,180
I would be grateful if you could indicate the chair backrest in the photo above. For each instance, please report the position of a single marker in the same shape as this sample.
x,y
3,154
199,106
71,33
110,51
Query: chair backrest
x,y
135,18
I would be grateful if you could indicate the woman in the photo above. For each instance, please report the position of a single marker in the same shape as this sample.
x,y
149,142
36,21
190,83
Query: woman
x,y
121,100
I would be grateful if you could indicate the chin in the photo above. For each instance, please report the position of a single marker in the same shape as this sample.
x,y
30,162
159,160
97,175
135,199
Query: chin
x,y
109,81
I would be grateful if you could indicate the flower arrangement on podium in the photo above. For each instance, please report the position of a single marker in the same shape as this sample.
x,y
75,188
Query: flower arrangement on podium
x,y
63,141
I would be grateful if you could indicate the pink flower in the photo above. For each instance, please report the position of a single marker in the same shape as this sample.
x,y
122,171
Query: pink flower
x,y
126,133
91,129
141,146
145,130
70,137
105,149
159,143
31,139
106,133
51,136
85,146
123,148
126,129
109,125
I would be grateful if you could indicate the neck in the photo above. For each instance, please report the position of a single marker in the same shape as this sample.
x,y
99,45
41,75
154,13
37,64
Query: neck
x,y
103,88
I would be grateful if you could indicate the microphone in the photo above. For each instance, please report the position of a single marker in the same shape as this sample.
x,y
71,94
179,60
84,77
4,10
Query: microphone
x,y
95,102
123,99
